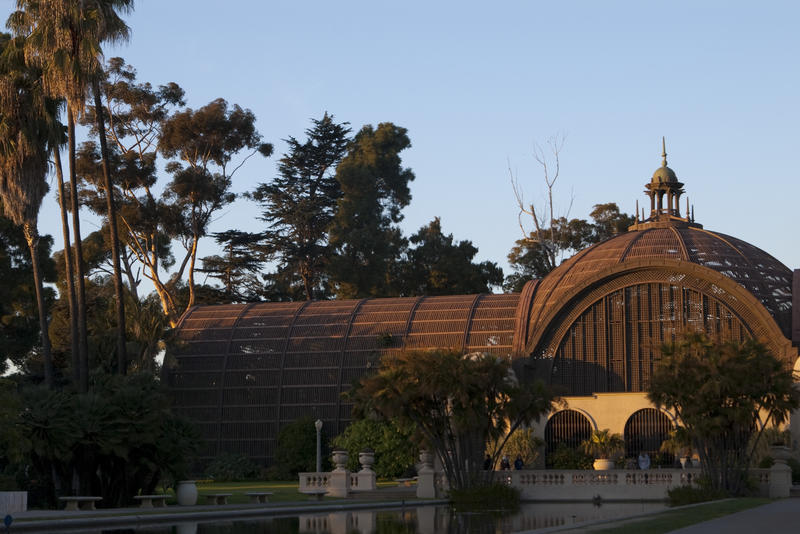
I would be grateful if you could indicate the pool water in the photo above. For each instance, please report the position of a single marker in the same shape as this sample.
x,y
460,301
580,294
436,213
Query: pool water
x,y
411,520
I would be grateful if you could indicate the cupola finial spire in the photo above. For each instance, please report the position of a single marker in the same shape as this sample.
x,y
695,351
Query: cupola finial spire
x,y
663,152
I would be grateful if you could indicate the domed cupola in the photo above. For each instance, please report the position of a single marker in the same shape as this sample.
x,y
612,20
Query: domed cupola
x,y
665,192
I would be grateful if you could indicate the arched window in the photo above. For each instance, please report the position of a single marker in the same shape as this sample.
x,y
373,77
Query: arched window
x,y
566,428
645,431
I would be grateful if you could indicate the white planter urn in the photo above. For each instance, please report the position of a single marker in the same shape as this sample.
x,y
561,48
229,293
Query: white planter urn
x,y
780,453
340,458
186,492
603,464
366,458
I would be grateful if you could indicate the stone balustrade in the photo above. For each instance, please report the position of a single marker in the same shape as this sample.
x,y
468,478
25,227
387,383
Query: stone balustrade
x,y
612,485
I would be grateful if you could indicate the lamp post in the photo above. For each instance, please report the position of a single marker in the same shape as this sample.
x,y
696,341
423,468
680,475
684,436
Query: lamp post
x,y
318,426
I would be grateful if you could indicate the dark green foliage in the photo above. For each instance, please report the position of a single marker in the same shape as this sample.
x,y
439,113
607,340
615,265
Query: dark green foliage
x,y
116,441
297,447
375,189
541,252
457,404
683,495
19,322
495,496
725,395
390,442
238,268
435,265
299,205
565,457
228,467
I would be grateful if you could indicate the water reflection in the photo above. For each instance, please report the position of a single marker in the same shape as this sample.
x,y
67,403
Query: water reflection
x,y
410,520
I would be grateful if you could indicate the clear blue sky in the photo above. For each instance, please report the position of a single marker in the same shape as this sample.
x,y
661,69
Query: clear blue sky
x,y
477,83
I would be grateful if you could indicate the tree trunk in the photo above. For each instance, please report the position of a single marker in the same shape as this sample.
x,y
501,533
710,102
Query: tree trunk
x,y
32,237
191,272
80,293
68,270
122,358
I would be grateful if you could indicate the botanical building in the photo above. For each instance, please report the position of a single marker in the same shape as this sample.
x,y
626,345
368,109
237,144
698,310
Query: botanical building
x,y
592,326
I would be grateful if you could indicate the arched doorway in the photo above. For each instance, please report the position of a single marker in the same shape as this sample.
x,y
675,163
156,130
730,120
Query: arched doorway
x,y
566,428
645,431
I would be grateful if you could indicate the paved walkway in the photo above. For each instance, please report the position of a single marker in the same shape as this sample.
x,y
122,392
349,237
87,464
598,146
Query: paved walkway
x,y
777,517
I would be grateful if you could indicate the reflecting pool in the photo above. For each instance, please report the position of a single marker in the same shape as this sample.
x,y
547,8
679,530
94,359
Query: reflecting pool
x,y
408,520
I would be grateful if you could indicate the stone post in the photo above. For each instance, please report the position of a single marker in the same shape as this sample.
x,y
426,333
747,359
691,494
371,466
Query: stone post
x,y
426,477
367,480
339,481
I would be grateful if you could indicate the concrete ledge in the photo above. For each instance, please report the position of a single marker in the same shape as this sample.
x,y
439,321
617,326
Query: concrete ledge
x,y
136,519
12,502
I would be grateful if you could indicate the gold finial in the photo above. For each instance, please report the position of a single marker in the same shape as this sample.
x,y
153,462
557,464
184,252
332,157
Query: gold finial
x,y
663,152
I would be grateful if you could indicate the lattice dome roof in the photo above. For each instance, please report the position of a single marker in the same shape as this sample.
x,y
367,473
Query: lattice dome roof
x,y
761,274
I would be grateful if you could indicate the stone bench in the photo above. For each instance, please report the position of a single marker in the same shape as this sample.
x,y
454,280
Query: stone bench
x,y
151,501
79,502
316,492
258,497
217,498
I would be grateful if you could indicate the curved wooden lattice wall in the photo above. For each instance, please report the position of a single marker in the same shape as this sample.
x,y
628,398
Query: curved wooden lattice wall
x,y
243,371
645,431
566,428
613,345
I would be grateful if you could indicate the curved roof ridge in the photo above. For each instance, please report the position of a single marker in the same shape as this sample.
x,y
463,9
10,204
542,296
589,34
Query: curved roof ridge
x,y
572,261
628,247
681,243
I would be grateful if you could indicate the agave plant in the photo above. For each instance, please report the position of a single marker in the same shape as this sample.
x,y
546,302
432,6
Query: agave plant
x,y
602,444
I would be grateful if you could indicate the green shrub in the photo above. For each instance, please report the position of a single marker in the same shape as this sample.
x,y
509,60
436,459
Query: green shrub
x,y
229,467
297,447
494,496
565,457
394,452
683,495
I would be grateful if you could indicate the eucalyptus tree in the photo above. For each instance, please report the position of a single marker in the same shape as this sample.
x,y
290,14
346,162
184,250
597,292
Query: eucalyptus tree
x,y
64,39
27,118
134,112
300,203
201,145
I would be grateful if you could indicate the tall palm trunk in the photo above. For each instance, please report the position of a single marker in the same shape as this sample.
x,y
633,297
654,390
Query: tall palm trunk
x,y
80,293
68,270
122,359
32,237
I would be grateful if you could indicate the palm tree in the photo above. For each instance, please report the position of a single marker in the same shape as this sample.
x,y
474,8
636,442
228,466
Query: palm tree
x,y
27,120
64,39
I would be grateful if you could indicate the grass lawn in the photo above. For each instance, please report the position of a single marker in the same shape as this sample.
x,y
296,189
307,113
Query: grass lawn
x,y
675,519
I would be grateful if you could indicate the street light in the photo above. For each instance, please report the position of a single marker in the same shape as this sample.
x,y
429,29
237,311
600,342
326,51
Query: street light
x,y
318,426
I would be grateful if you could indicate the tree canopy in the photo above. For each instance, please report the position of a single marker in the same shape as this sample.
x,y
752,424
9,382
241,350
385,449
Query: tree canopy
x,y
300,203
375,189
725,394
457,403
437,265
543,249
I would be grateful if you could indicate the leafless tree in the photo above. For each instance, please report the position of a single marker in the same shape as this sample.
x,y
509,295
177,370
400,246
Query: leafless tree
x,y
549,230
